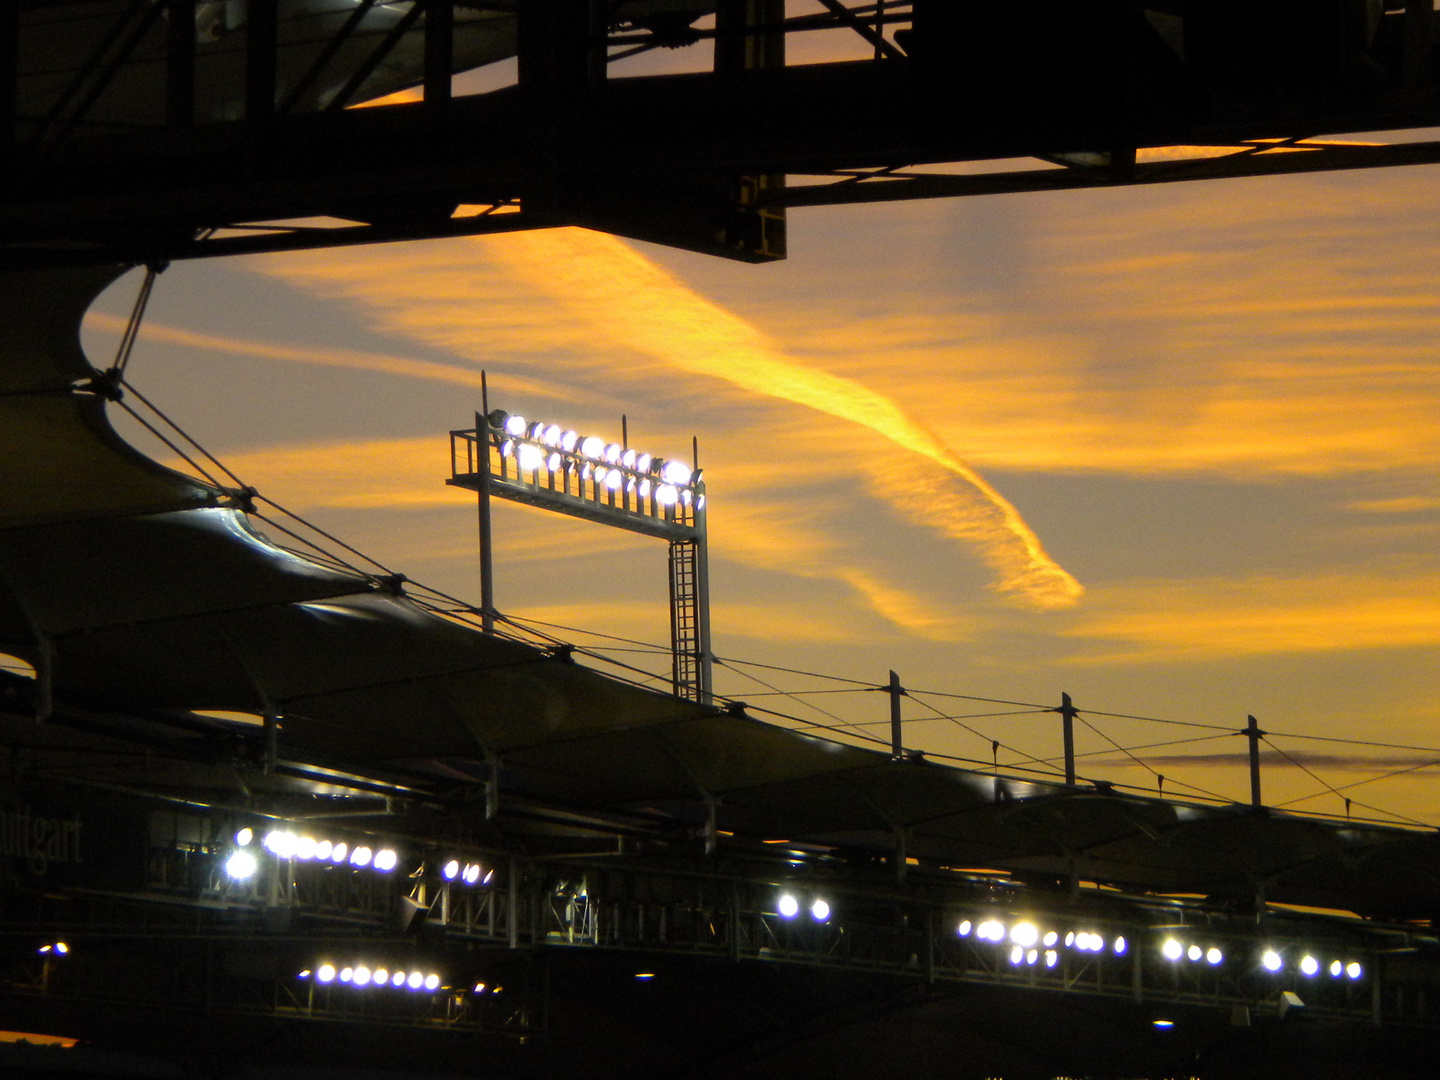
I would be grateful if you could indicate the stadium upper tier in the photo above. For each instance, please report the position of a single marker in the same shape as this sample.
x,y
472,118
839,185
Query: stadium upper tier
x,y
154,612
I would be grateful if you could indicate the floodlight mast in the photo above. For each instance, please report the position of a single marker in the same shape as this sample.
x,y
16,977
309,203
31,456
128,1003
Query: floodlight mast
x,y
538,464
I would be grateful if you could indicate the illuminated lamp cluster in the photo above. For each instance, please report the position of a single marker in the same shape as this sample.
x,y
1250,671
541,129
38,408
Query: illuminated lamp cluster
x,y
1175,950
468,873
1030,943
363,976
54,948
539,447
788,907
286,845
1310,966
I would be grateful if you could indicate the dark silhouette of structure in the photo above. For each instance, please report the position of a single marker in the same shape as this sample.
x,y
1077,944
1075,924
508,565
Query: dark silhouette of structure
x,y
203,731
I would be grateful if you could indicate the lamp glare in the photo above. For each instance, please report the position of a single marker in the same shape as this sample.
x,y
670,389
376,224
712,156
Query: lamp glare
x,y
325,973
1194,952
530,457
360,856
1336,969
1353,970
666,495
515,425
361,976
613,479
450,869
1172,949
338,853
381,976
628,459
432,981
820,910
397,980
1024,933
568,440
1309,965
552,435
964,928
675,472
386,860
415,981
788,907
472,873
1270,960
1017,954
1120,946
1051,958
612,453
347,974
240,866
244,836
593,447
1213,956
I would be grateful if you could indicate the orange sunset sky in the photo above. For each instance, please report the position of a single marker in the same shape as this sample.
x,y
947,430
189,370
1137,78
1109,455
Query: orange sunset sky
x,y
1171,450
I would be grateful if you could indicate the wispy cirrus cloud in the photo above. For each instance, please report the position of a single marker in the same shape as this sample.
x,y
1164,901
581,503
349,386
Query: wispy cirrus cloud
x,y
602,289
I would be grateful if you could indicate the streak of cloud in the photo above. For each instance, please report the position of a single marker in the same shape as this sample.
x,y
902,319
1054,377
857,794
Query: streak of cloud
x,y
354,359
608,289
1214,617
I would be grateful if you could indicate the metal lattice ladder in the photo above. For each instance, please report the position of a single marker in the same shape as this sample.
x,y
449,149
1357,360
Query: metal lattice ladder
x,y
686,646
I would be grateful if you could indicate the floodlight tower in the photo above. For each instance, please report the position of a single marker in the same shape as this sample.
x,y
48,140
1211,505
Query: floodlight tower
x,y
539,464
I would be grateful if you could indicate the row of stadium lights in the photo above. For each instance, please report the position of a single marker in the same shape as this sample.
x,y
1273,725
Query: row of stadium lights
x,y
362,976
286,845
540,446
1027,942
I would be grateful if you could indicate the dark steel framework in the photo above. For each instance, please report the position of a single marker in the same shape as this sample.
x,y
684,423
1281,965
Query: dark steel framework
x,y
1085,94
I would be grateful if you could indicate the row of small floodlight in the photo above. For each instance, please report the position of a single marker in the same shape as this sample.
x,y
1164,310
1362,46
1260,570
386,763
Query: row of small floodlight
x,y
788,907
1027,940
362,976
540,446
286,845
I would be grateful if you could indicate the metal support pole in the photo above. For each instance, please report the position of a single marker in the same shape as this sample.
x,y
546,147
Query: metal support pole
x,y
180,65
261,45
512,909
1253,733
487,565
1067,713
897,749
439,50
702,598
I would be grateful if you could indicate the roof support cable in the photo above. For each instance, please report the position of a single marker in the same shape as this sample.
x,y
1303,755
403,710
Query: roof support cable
x,y
132,328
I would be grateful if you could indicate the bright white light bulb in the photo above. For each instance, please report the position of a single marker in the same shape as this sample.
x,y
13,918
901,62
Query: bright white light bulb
x,y
612,453
451,869
305,848
360,856
552,435
568,440
397,980
1050,938
1017,955
593,447
789,907
1172,949
338,852
1024,933
325,973
537,431
1031,955
1213,956
415,981
347,974
820,910
1119,946
515,425
642,463
1194,952
628,459
666,495
244,836
432,981
280,843
1336,969
992,930
676,472
1353,970
1069,938
381,976
613,479
472,873
1309,965
361,976
240,866
1051,958
530,457
964,928
323,849
644,489
386,860
1271,960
